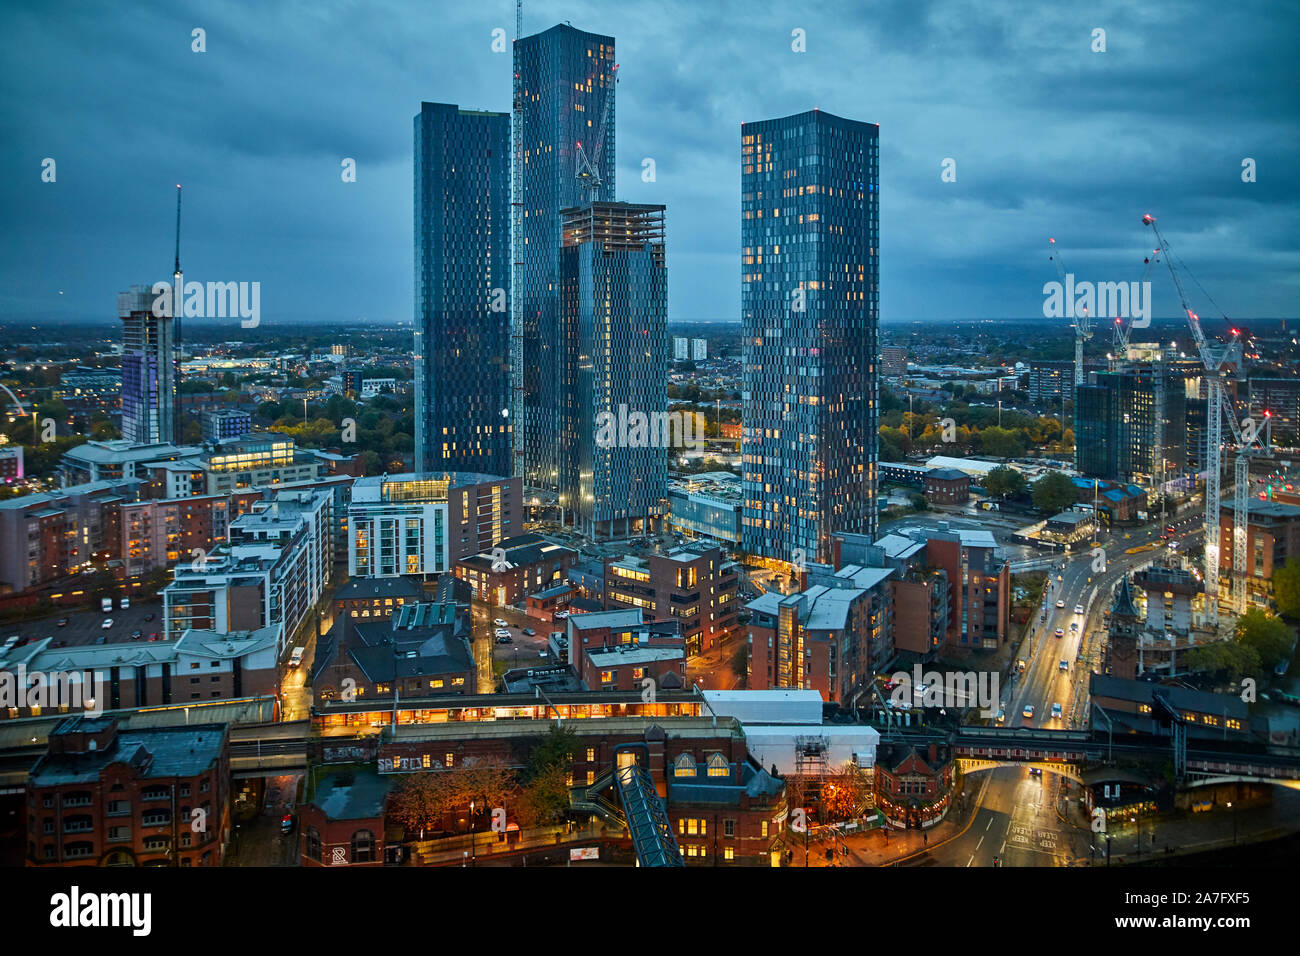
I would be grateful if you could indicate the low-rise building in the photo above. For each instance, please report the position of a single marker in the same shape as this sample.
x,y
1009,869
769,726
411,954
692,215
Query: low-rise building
x,y
371,599
947,486
698,587
515,568
104,796
422,650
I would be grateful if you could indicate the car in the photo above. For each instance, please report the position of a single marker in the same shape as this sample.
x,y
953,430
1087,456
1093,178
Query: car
x,y
499,622
108,622
542,653
1035,771
1078,609
505,639
137,634
126,603
1020,666
149,616
61,622
101,639
1064,666
1001,718
286,823
1074,625
1060,577
1060,603
1028,712
1057,711
1060,632
529,632
501,632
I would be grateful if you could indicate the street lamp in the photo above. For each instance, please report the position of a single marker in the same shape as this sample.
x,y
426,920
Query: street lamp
x,y
1234,824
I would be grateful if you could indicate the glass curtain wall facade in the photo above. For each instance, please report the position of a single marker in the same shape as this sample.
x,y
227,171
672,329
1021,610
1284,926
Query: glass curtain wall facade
x,y
462,289
564,77
615,296
148,369
810,306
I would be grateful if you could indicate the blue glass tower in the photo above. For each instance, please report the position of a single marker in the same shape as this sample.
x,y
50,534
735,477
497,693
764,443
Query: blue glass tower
x,y
614,295
810,306
462,290
564,79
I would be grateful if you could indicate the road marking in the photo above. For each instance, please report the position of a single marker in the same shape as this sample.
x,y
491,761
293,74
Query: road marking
x,y
972,857
989,824
977,845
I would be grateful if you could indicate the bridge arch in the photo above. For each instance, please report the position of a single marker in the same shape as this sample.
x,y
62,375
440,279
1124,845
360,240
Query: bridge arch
x,y
969,765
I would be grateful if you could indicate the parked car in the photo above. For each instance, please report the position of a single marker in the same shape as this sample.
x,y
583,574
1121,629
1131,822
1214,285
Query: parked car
x,y
543,653
505,639
286,823
149,616
61,622
108,622
501,622
502,632
126,603
137,634
529,632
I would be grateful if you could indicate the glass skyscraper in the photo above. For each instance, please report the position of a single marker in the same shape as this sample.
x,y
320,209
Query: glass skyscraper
x,y
564,79
614,295
810,306
462,290
148,369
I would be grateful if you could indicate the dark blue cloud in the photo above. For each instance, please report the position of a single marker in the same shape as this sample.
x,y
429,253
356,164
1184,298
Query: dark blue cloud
x,y
1049,137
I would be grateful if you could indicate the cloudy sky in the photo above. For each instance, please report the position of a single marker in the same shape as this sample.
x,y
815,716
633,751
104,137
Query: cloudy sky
x,y
1049,138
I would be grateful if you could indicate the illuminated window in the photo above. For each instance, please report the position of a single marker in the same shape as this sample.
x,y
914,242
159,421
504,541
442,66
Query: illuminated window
x,y
684,766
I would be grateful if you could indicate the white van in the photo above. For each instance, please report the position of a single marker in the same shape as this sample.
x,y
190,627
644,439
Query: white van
x,y
106,604
295,659
126,603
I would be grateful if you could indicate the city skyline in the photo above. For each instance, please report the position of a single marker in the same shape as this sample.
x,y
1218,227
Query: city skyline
x,y
333,255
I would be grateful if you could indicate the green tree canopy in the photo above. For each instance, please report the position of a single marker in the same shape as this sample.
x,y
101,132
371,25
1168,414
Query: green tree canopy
x,y
1053,492
1003,481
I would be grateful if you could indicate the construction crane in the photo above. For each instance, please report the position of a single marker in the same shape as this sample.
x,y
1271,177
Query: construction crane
x,y
589,167
1120,332
516,409
1216,359
1082,324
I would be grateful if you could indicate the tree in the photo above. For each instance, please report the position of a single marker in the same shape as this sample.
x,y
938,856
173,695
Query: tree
x,y
843,793
1053,492
545,798
1286,588
1224,661
1267,634
1002,442
739,664
1003,481
421,801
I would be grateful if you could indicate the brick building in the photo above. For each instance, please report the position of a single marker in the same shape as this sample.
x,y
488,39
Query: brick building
x,y
515,568
830,637
947,486
423,650
979,583
375,598
697,587
343,824
616,650
143,797
913,784
1272,536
